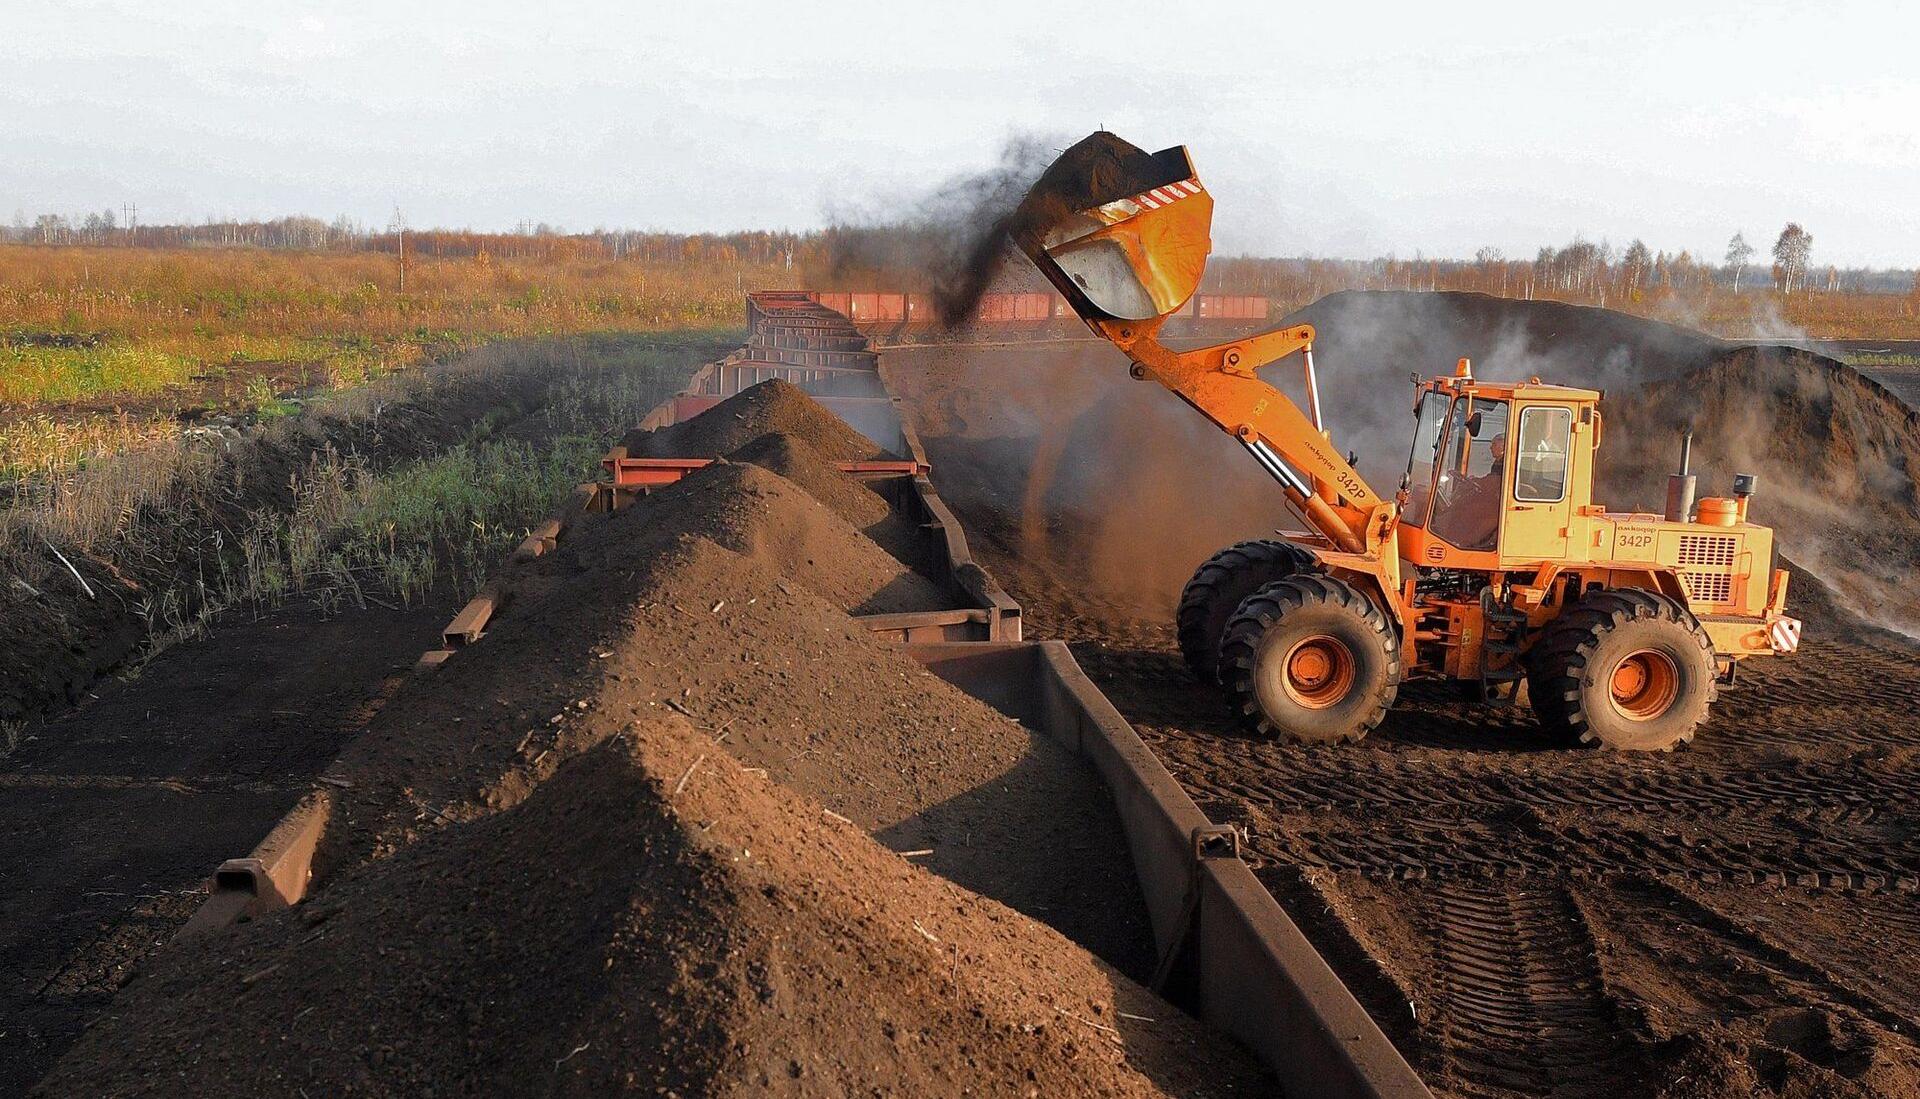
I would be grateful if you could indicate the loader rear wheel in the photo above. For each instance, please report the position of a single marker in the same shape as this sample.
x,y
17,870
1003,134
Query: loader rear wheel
x,y
1627,669
1311,660
1218,588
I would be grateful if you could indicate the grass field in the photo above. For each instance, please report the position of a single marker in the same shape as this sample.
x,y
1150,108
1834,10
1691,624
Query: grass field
x,y
103,347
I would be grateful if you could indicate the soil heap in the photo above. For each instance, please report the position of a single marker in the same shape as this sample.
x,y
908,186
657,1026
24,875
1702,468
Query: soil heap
x,y
657,608
860,505
771,406
622,842
653,918
1836,454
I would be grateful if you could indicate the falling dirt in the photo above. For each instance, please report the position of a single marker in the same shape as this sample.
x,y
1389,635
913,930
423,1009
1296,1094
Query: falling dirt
x,y
1521,919
1098,168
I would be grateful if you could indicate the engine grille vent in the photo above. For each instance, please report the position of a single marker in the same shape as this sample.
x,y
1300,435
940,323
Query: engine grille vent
x,y
1710,550
1708,587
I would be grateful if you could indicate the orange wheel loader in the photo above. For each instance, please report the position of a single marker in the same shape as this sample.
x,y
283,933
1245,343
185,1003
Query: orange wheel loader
x,y
1492,566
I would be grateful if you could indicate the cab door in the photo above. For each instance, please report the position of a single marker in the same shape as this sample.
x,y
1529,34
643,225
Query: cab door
x,y
1537,507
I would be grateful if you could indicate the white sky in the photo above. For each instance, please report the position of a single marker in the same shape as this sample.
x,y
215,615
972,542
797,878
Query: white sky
x,y
1346,129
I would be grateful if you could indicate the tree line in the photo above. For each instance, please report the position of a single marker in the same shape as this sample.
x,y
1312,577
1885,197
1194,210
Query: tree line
x,y
1579,270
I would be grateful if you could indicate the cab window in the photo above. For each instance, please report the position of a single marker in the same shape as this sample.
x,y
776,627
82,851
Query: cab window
x,y
1472,463
1540,460
1429,419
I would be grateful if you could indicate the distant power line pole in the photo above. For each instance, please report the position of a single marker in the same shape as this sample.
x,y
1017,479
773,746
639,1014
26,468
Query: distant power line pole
x,y
130,213
399,225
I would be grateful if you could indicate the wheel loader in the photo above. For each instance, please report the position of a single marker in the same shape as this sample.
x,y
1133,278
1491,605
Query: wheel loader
x,y
1492,565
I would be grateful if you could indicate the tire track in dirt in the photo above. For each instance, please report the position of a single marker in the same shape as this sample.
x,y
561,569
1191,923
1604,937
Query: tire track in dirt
x,y
1522,1003
1767,949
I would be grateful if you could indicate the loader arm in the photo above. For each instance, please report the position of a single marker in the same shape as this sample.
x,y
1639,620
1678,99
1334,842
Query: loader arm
x,y
1127,263
1222,383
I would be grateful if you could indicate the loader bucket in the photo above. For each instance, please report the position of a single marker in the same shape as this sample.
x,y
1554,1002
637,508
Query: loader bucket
x,y
1132,258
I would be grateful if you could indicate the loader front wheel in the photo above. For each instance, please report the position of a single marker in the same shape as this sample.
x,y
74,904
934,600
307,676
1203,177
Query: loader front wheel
x,y
1218,588
1311,660
1626,669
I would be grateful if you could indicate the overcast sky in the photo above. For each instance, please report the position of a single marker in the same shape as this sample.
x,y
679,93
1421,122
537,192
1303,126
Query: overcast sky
x,y
1346,130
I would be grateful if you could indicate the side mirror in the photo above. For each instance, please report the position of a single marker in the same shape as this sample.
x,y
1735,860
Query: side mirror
x,y
1473,424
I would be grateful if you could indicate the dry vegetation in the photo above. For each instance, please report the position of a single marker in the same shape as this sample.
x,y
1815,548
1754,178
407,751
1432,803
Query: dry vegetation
x,y
1843,305
416,481
103,346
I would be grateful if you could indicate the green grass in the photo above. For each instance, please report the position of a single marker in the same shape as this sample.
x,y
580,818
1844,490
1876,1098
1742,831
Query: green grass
x,y
34,375
1888,360
452,517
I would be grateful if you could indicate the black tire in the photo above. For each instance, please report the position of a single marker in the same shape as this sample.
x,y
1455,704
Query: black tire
x,y
1597,674
1318,616
1218,588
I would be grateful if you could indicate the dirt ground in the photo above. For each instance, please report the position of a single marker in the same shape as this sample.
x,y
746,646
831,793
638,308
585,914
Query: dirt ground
x,y
1521,919
113,816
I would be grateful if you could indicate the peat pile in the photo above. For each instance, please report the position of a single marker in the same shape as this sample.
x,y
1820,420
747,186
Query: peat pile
x,y
771,407
624,842
723,597
652,918
1837,455
863,508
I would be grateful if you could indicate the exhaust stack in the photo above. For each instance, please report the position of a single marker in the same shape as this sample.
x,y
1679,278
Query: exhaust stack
x,y
1743,487
1681,486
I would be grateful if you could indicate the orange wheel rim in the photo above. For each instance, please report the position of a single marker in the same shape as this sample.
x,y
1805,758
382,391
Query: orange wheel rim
x,y
1645,684
1318,671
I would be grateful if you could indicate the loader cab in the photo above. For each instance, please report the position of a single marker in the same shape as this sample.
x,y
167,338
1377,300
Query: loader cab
x,y
1496,472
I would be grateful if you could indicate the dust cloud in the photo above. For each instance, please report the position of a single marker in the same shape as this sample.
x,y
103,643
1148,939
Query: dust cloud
x,y
959,240
951,242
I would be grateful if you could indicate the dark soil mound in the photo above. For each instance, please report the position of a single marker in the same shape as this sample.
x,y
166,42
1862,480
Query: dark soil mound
x,y
772,406
653,918
1836,453
756,513
763,516
635,615
860,505
540,879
